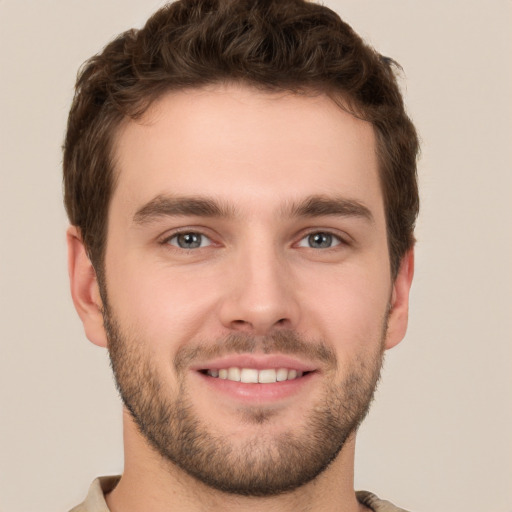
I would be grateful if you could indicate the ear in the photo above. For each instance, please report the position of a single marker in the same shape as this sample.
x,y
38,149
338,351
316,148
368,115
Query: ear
x,y
399,312
84,288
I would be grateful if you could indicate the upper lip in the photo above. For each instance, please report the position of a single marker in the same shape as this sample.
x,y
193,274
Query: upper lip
x,y
258,362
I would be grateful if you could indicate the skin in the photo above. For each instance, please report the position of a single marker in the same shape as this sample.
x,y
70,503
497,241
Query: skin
x,y
254,154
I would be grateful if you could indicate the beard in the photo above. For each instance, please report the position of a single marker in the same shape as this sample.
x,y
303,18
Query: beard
x,y
266,463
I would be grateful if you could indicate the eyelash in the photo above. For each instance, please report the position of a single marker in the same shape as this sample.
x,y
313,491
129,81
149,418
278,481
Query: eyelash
x,y
335,238
167,240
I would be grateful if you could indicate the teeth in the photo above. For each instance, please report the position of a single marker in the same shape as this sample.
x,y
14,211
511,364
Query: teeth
x,y
281,374
253,376
267,376
234,374
249,375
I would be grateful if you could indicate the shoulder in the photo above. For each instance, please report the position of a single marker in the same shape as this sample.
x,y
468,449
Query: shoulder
x,y
375,503
95,500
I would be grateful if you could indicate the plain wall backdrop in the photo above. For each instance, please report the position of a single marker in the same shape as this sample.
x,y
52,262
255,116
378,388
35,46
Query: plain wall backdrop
x,y
439,437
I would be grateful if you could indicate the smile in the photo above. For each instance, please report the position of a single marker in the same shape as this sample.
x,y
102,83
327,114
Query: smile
x,y
255,376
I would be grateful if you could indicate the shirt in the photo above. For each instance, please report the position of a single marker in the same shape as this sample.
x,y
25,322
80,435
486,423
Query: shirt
x,y
95,500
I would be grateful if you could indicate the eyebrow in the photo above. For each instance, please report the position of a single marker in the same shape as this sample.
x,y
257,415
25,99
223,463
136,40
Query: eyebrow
x,y
168,206
313,206
320,206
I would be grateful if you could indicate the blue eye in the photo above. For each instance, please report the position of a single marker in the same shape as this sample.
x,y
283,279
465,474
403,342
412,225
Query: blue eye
x,y
189,240
320,240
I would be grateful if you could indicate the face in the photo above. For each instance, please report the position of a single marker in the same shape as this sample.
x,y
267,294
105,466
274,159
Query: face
x,y
248,289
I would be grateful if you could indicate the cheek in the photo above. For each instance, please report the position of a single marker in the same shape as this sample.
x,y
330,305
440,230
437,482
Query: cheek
x,y
350,307
166,306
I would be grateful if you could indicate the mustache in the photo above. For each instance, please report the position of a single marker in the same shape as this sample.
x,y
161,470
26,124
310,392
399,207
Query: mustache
x,y
283,342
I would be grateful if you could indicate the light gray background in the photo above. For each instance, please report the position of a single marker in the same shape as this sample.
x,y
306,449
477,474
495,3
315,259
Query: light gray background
x,y
439,435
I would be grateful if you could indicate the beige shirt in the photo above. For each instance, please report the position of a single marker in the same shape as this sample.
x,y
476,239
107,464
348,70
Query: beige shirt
x,y
95,500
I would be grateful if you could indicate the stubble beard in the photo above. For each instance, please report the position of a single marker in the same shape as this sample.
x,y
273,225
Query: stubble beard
x,y
261,465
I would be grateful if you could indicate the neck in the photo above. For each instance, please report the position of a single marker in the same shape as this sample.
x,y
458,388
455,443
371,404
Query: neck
x,y
151,483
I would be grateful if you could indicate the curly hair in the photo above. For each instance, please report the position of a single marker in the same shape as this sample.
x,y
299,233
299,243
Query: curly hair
x,y
274,45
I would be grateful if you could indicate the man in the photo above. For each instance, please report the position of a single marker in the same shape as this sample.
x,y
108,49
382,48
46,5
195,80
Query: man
x,y
240,178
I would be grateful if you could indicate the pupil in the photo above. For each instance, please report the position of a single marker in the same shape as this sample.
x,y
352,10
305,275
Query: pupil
x,y
189,240
320,240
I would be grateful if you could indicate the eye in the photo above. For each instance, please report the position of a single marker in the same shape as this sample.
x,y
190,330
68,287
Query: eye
x,y
189,240
320,240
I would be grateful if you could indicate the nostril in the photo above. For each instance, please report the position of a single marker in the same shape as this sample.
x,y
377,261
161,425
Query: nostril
x,y
240,323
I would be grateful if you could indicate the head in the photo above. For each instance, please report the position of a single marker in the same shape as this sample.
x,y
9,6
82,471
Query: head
x,y
241,180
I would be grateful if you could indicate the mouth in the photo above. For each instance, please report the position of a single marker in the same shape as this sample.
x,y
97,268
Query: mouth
x,y
255,375
256,378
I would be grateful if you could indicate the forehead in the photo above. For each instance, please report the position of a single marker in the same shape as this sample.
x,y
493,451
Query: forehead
x,y
238,144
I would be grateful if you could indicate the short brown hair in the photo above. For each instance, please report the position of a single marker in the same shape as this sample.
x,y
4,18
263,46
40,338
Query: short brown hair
x,y
275,45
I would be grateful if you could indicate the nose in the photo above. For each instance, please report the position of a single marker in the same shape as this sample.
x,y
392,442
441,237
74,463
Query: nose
x,y
260,294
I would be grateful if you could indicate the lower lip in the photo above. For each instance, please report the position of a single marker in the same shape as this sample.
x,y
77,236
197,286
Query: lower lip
x,y
257,393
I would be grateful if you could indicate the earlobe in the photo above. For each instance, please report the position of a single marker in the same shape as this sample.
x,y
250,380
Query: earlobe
x,y
399,304
84,288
